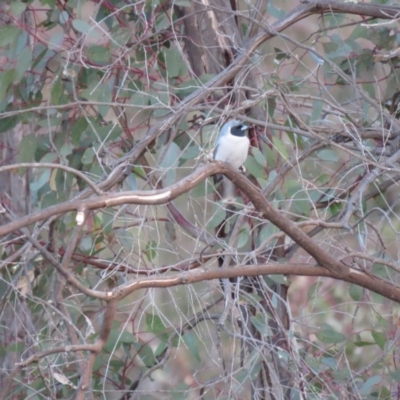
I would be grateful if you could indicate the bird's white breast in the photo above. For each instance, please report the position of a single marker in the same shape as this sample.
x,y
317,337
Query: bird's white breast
x,y
233,150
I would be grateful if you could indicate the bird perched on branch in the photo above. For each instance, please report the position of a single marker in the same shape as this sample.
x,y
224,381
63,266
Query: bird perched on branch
x,y
232,147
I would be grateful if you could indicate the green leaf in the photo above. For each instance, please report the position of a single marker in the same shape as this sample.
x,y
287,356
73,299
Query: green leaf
x,y
270,155
151,250
258,156
56,40
99,92
182,3
121,37
277,13
98,54
242,376
15,347
169,162
190,153
127,337
329,362
271,105
8,33
199,190
328,155
254,168
329,335
260,324
380,339
27,148
56,91
356,292
218,216
88,156
154,324
8,123
63,17
77,130
370,89
81,26
17,8
359,32
161,99
24,63
316,110
361,343
301,203
191,342
6,79
139,99
267,231
174,62
368,385
280,54
145,353
36,184
280,147
86,244
244,235
280,279
66,149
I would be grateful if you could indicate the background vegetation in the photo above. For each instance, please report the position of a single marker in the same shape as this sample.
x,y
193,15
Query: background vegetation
x,y
113,238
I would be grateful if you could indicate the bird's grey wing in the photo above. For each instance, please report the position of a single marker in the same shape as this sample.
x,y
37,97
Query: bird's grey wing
x,y
222,149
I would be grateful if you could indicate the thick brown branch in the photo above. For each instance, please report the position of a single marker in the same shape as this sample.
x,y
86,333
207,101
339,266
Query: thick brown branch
x,y
365,9
357,277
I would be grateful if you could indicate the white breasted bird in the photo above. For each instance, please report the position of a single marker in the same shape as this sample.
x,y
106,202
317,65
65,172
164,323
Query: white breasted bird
x,y
232,147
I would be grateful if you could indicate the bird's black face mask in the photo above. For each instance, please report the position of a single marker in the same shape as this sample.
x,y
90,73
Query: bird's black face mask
x,y
239,130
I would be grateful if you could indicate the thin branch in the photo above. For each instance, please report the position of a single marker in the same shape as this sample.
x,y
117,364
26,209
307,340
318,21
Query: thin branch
x,y
54,166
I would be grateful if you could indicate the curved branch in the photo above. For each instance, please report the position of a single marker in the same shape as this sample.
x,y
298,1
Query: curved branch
x,y
150,197
357,277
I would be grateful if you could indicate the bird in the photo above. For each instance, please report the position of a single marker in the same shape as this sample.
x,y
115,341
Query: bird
x,y
232,146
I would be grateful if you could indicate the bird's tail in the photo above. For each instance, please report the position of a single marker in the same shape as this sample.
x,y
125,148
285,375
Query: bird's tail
x,y
226,189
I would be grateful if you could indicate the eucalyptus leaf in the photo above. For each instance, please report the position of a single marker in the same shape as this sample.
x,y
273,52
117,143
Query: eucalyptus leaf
x,y
154,324
328,155
24,63
367,386
329,335
8,33
169,162
261,324
356,292
17,8
98,54
174,62
27,148
81,26
41,181
258,156
6,79
280,147
191,342
379,338
56,40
